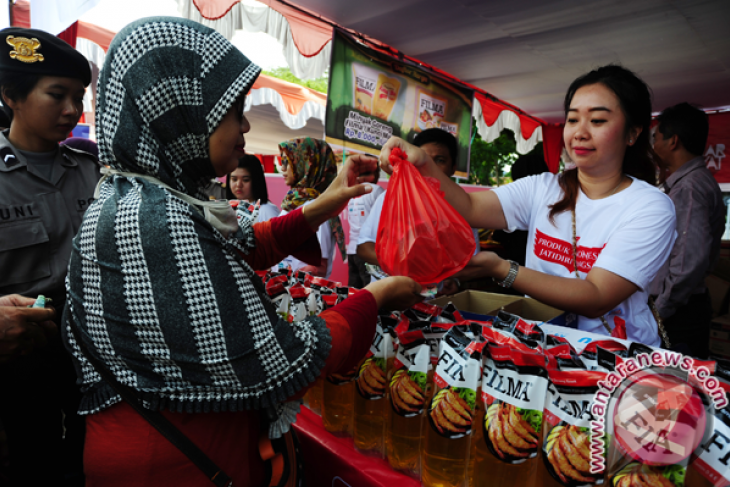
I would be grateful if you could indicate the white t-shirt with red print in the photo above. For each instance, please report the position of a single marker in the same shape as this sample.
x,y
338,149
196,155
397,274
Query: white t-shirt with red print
x,y
630,234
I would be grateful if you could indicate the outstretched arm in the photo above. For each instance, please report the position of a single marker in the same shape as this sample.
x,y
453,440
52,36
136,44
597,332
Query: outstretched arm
x,y
347,185
366,251
280,237
480,210
352,322
599,293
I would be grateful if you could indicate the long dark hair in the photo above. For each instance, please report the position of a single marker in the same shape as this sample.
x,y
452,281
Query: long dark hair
x,y
633,94
258,182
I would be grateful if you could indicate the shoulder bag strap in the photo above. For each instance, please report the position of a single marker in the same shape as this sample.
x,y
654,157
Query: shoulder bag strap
x,y
217,476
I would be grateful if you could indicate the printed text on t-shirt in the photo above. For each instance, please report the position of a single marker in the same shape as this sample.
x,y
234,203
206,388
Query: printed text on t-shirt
x,y
558,251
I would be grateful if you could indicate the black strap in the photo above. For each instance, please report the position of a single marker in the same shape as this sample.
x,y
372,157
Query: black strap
x,y
157,420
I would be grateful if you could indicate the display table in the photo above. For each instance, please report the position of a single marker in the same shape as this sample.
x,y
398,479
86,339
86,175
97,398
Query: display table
x,y
330,461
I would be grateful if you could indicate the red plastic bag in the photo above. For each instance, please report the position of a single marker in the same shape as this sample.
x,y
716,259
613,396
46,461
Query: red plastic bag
x,y
420,235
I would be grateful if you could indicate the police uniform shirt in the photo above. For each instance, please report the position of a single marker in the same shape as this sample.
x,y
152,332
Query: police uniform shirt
x,y
39,217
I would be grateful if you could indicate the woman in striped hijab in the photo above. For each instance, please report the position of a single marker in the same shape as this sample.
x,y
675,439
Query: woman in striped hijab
x,y
161,289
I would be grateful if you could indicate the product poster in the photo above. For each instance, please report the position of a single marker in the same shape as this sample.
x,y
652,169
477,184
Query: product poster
x,y
373,96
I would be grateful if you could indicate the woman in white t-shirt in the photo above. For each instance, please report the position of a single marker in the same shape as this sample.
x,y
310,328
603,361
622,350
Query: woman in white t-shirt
x,y
309,167
248,183
605,215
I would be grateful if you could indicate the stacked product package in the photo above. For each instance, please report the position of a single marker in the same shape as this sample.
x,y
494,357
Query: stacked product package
x,y
507,402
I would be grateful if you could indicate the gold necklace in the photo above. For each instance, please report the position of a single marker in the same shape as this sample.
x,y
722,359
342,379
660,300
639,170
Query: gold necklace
x,y
614,189
617,186
575,259
620,181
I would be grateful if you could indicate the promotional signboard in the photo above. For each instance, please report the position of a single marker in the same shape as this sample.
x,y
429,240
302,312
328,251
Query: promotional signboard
x,y
373,96
718,141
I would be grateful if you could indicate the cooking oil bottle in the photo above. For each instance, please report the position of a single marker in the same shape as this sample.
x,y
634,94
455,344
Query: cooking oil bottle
x,y
409,394
313,397
370,395
451,412
337,403
514,387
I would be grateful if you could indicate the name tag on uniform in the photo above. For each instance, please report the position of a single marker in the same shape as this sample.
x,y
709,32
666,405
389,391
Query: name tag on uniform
x,y
357,209
83,204
18,212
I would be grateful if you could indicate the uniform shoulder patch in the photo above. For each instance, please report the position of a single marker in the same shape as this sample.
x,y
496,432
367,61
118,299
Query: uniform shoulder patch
x,y
8,157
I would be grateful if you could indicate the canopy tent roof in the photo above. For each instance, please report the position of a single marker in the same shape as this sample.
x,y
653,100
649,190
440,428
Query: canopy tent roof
x,y
279,110
305,39
267,130
528,51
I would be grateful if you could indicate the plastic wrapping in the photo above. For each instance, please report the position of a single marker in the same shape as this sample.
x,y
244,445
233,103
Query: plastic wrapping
x,y
419,234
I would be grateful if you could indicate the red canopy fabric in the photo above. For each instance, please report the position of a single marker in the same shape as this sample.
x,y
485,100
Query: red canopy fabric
x,y
69,35
99,35
293,95
102,37
267,162
21,18
552,134
718,143
214,9
491,110
309,33
21,14
552,145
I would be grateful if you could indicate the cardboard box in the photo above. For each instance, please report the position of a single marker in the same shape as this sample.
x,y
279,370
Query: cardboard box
x,y
720,336
477,304
531,309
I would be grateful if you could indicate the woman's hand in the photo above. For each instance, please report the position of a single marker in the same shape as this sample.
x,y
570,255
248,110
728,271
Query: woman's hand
x,y
415,156
448,287
395,293
319,271
345,187
485,264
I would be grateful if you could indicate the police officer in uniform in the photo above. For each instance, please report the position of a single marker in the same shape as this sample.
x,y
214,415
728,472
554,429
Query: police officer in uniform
x,y
44,191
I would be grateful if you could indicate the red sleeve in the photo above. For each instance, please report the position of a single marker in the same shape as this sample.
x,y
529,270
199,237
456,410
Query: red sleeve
x,y
282,236
293,235
352,327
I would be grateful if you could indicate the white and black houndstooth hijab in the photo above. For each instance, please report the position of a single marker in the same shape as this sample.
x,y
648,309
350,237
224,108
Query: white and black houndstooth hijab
x,y
156,293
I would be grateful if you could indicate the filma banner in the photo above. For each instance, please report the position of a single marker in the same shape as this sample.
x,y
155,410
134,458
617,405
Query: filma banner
x,y
373,96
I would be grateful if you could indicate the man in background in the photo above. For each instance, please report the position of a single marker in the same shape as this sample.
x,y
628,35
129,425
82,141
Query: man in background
x,y
682,299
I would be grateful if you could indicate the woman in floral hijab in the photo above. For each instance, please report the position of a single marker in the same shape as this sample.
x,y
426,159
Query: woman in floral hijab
x,y
309,167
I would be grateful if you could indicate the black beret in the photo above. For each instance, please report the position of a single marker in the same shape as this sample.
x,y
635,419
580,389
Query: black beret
x,y
32,51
